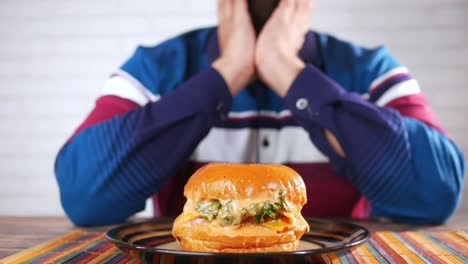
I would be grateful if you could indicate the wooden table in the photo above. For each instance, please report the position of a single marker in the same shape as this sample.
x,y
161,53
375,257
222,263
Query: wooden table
x,y
19,233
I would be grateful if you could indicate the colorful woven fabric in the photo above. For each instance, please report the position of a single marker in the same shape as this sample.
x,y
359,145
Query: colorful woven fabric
x,y
383,247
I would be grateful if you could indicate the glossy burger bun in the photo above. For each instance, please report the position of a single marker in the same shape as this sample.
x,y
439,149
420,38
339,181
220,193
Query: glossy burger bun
x,y
241,182
244,181
198,235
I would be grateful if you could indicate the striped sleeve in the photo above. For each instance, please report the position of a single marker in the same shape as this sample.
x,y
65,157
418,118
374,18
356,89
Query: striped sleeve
x,y
120,94
393,84
397,89
129,145
394,160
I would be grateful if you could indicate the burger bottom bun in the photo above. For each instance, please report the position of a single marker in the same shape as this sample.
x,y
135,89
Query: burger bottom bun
x,y
209,246
198,235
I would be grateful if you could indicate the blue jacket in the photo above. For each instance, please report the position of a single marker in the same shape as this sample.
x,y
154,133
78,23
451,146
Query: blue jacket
x,y
166,112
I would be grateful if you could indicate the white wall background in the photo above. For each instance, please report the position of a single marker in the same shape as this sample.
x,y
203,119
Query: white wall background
x,y
55,56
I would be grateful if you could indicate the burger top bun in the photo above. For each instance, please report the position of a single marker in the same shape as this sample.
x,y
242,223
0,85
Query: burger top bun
x,y
240,181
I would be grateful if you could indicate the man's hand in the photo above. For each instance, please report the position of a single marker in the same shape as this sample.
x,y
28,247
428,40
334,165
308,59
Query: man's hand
x,y
279,43
277,53
237,44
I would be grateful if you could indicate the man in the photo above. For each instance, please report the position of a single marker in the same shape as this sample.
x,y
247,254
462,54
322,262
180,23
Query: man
x,y
350,120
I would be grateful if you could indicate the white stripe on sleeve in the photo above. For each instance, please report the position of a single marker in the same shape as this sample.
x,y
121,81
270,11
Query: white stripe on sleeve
x,y
387,76
120,87
399,90
125,86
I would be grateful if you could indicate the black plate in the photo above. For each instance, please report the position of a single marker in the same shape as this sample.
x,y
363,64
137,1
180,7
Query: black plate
x,y
152,242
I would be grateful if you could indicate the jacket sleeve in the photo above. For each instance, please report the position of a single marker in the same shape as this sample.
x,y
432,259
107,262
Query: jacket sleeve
x,y
124,153
396,153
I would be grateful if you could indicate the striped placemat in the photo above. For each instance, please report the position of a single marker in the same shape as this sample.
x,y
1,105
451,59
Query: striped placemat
x,y
383,247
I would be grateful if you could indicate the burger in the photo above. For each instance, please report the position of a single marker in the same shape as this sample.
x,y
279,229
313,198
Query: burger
x,y
240,208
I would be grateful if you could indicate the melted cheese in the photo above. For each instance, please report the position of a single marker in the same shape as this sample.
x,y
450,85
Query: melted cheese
x,y
277,225
245,203
189,216
233,212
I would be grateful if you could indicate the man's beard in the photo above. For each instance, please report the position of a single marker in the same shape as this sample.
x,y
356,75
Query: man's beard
x,y
260,11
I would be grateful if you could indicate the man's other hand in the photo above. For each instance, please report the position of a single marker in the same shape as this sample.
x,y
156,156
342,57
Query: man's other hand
x,y
276,59
237,44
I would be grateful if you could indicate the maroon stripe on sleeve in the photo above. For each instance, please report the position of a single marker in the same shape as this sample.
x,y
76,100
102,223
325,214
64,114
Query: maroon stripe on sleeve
x,y
106,107
416,106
